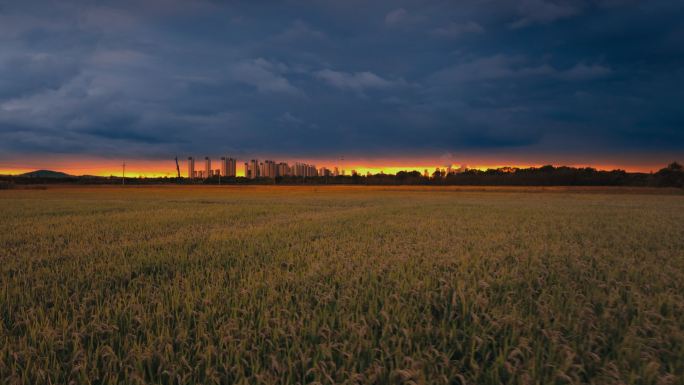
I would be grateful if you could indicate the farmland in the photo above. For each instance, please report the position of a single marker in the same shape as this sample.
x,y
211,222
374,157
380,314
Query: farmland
x,y
203,285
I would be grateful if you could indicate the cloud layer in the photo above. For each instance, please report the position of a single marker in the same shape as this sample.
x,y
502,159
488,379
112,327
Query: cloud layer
x,y
327,78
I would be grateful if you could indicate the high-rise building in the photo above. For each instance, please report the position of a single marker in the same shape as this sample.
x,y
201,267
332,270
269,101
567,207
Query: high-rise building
x,y
228,166
247,170
268,169
191,167
336,172
283,169
305,170
254,168
231,165
207,167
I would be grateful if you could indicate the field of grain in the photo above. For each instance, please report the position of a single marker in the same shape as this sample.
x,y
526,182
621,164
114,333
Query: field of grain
x,y
285,285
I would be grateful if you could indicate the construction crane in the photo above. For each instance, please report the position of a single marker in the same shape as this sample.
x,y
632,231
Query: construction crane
x,y
177,168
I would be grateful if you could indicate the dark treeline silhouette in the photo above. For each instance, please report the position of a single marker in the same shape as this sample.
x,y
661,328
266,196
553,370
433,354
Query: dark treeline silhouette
x,y
670,176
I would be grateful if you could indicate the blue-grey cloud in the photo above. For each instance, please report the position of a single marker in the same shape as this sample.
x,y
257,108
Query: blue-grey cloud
x,y
545,11
322,78
263,75
355,81
455,30
400,16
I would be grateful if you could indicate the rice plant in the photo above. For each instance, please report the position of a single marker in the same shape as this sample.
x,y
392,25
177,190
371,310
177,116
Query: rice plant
x,y
329,285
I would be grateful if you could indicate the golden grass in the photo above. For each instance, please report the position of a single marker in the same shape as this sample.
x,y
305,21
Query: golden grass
x,y
202,285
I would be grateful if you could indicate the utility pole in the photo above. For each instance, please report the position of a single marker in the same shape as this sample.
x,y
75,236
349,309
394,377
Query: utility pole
x,y
123,174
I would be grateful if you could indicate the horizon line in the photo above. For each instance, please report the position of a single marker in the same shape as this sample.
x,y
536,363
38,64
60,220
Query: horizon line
x,y
135,172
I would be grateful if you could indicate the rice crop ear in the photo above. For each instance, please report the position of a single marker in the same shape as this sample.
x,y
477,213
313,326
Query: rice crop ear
x,y
270,285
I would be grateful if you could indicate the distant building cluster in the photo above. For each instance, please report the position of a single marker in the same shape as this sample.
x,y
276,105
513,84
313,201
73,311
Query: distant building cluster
x,y
254,169
257,169
227,167
270,169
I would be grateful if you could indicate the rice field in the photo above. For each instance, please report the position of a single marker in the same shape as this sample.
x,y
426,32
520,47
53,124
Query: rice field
x,y
341,285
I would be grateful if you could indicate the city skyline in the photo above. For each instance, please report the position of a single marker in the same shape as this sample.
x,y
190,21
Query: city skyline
x,y
167,168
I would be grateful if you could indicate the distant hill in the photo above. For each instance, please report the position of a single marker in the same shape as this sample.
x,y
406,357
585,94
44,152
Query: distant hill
x,y
45,174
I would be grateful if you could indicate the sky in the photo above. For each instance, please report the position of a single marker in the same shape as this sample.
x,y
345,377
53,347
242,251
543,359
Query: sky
x,y
379,84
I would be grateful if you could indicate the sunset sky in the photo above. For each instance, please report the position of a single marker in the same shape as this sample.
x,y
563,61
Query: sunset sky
x,y
366,85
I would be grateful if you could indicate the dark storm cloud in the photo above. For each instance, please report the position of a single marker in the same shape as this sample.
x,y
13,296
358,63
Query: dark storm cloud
x,y
301,78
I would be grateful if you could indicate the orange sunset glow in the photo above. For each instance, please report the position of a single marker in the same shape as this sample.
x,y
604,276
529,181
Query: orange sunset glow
x,y
166,168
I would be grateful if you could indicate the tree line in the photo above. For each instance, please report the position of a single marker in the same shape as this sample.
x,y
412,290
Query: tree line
x,y
670,176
